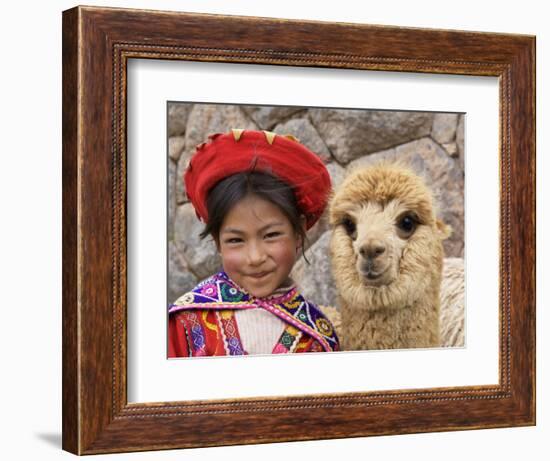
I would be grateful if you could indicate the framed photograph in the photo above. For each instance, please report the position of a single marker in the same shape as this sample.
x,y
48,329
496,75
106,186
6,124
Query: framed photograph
x,y
146,94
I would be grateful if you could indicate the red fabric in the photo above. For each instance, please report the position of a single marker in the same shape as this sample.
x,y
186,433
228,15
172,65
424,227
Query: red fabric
x,y
286,159
177,341
179,334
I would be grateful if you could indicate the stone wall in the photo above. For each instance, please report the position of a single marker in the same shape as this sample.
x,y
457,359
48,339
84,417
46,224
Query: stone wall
x,y
431,143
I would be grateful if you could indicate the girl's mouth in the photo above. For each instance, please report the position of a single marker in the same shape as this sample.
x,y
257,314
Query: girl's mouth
x,y
259,275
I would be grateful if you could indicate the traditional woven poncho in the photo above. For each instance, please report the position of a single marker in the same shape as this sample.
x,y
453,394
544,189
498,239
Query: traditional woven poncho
x,y
202,321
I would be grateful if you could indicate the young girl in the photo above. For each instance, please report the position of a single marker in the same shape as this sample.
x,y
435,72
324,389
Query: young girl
x,y
258,193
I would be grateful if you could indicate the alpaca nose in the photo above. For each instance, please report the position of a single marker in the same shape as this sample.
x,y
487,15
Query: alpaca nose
x,y
372,249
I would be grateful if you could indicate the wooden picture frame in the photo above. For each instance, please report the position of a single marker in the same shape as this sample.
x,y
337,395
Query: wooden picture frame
x,y
97,44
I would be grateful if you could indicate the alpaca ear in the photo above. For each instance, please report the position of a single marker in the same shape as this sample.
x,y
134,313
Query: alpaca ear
x,y
443,230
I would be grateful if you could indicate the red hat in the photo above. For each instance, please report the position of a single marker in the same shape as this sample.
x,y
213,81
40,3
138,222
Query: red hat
x,y
240,151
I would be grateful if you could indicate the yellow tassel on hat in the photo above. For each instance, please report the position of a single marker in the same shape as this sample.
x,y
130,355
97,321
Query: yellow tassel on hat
x,y
292,138
270,136
237,133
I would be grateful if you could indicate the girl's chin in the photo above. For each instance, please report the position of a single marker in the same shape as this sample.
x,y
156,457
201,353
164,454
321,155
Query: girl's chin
x,y
259,292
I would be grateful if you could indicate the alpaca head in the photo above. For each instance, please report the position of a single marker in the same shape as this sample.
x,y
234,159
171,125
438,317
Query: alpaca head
x,y
386,242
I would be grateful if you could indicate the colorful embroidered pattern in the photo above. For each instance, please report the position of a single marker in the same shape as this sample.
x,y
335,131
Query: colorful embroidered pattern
x,y
306,317
316,347
232,341
197,333
219,292
305,344
288,341
324,326
230,293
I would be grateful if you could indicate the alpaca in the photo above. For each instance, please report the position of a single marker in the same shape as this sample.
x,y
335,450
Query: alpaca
x,y
451,315
387,259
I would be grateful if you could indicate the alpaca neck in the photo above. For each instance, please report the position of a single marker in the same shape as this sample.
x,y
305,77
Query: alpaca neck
x,y
407,326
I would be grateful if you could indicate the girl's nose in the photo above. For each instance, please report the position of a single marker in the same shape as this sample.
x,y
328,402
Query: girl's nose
x,y
256,254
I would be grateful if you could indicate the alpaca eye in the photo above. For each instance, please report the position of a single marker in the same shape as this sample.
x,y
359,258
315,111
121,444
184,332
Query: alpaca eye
x,y
350,227
406,225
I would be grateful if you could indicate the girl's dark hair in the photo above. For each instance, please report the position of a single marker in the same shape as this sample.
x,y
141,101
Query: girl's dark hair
x,y
229,191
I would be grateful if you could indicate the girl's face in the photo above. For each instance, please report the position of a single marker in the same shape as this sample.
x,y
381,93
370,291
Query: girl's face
x,y
258,246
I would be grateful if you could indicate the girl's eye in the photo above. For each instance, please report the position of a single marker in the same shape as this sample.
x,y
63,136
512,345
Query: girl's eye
x,y
233,240
272,235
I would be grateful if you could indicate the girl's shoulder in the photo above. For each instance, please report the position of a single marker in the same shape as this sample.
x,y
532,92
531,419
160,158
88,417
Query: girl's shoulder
x,y
309,314
215,292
